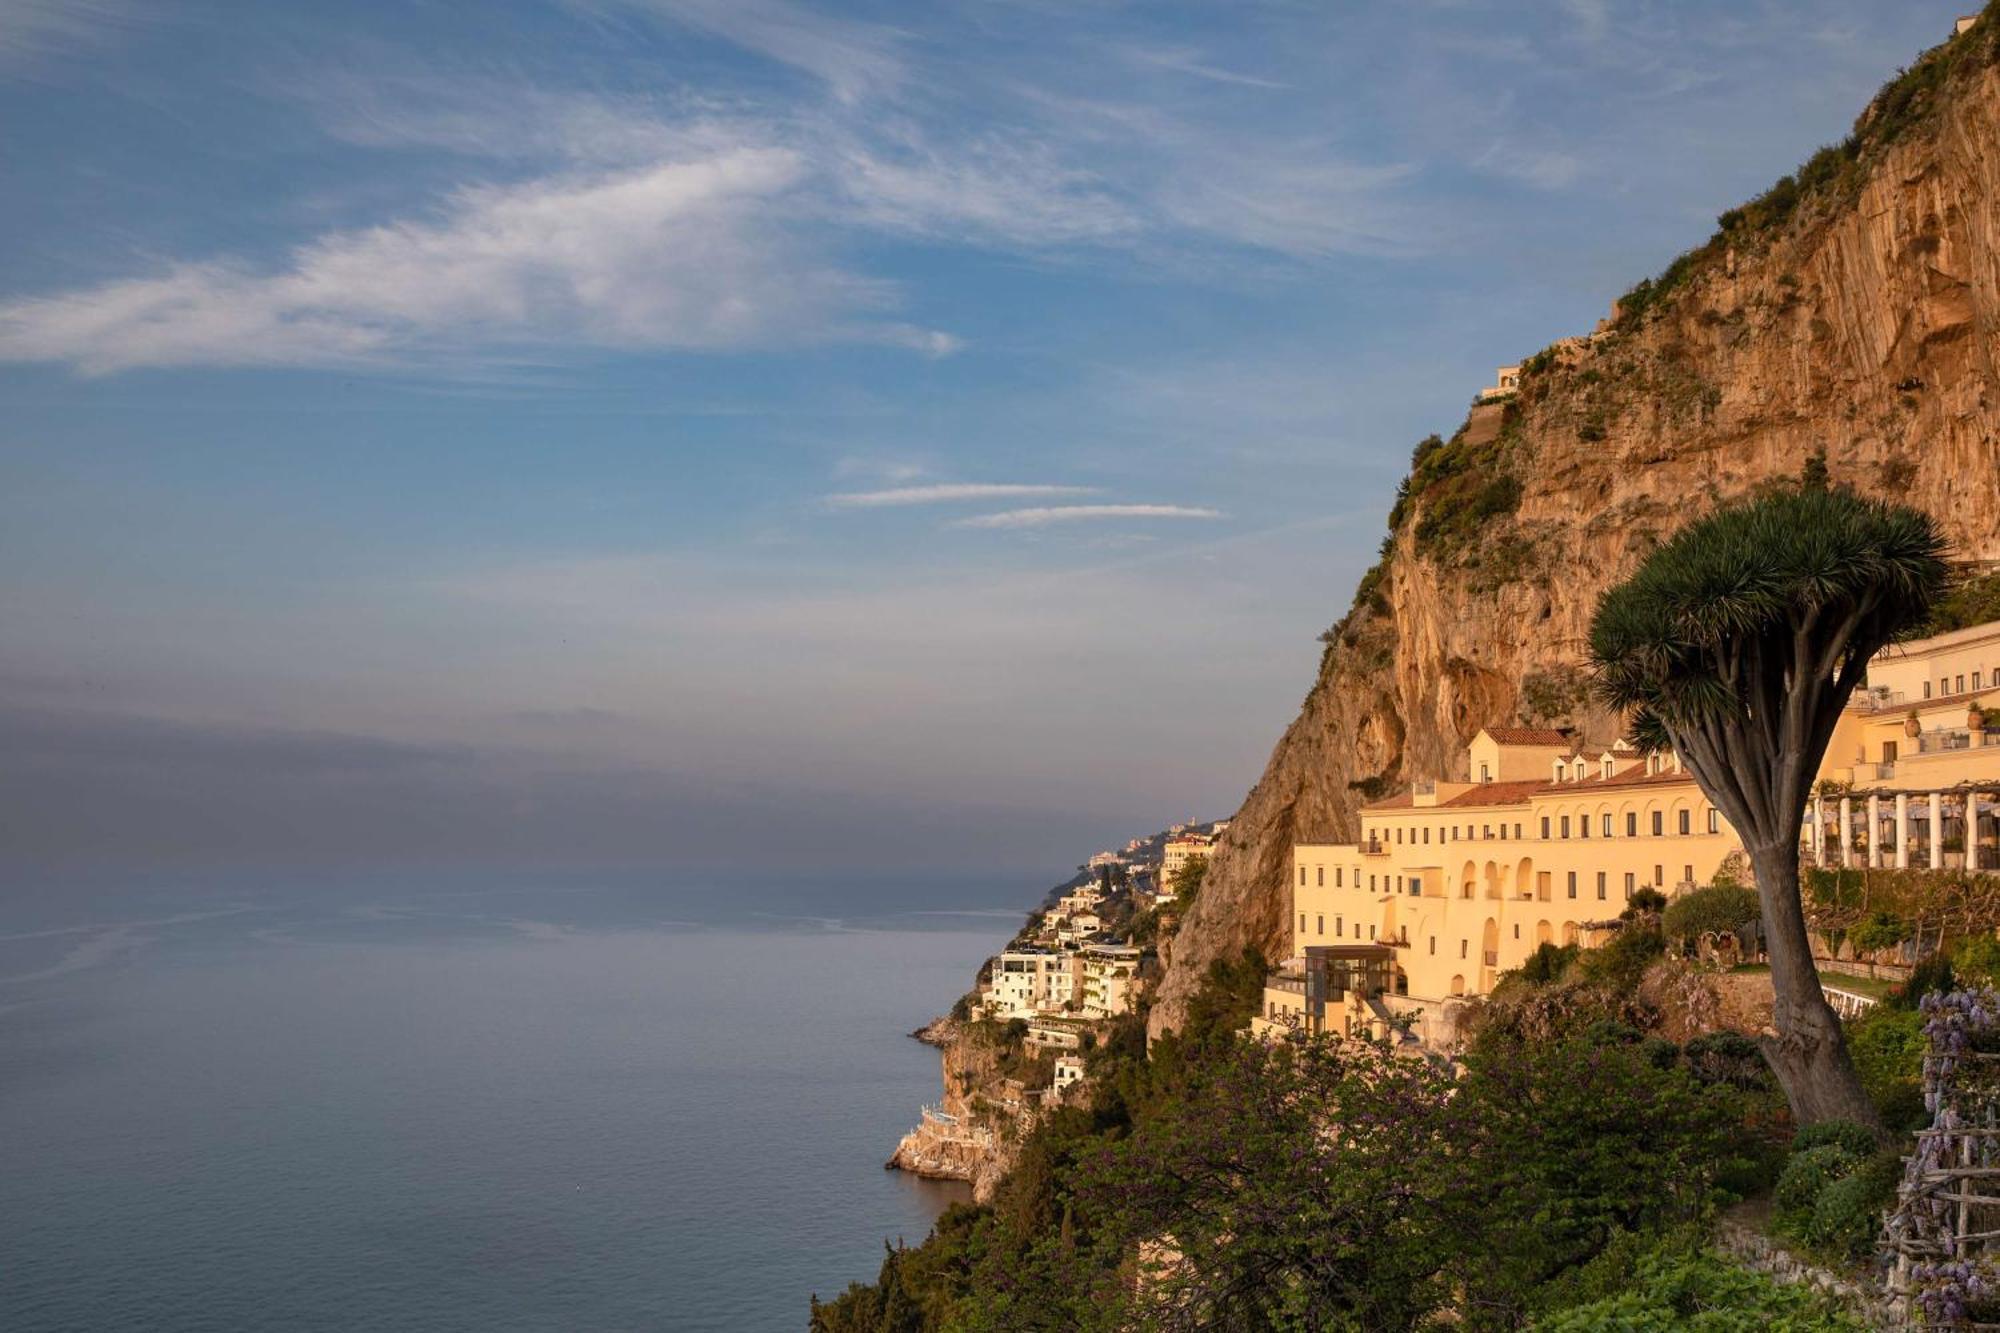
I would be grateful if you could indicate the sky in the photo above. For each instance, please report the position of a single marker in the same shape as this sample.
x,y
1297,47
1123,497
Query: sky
x,y
761,436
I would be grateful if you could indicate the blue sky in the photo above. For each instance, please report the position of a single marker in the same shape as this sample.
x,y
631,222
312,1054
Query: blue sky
x,y
745,434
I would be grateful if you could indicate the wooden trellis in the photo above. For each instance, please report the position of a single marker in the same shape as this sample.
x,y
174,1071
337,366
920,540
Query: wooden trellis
x,y
1947,1210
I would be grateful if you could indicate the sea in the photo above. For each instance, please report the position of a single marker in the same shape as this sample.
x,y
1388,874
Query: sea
x,y
425,1101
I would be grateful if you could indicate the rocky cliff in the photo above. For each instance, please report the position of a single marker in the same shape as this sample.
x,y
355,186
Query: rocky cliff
x,y
1854,308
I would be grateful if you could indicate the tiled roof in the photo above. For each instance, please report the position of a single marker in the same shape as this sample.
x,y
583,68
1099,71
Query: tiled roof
x,y
1529,736
1518,793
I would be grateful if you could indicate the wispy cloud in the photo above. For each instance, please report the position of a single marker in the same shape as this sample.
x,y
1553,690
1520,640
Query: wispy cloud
x,y
852,58
1043,517
1188,60
945,493
675,255
31,29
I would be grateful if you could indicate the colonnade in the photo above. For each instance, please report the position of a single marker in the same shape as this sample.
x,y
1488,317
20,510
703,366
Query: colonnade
x,y
1896,850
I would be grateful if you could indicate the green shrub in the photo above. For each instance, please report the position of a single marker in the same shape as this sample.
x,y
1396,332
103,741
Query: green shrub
x,y
1930,974
1847,1215
1882,930
1727,1057
1670,1291
1977,959
1621,962
1887,1047
1805,1175
1659,1052
1855,1140
1718,907
1547,963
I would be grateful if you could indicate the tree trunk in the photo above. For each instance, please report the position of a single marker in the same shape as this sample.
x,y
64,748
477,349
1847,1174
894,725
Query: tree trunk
x,y
1809,1052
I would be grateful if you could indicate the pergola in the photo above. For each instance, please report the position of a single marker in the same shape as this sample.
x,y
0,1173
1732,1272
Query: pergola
x,y
1895,827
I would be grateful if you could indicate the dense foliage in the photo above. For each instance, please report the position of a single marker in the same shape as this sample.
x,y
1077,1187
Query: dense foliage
x,y
1690,1292
1226,1183
1715,908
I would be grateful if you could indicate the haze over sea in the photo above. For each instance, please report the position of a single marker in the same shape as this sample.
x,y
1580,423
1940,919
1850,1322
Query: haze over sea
x,y
457,1103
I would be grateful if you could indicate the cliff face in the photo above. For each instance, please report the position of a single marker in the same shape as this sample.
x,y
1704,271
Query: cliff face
x,y
1864,320
975,1131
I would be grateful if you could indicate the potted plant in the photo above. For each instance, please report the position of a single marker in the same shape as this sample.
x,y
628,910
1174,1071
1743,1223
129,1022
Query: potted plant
x,y
1911,727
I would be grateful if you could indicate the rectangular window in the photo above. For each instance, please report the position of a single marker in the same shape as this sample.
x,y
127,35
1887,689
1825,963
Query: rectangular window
x,y
1320,920
1545,826
1975,680
1517,830
1463,945
1340,926
1659,876
1517,930
1302,877
1631,823
1607,823
1687,874
1631,883
1601,877
1927,689
1320,872
1371,883
1583,825
1336,877
1714,821
1686,816
1572,884
1659,822
1427,836
1302,923
1565,825
1434,945
1958,686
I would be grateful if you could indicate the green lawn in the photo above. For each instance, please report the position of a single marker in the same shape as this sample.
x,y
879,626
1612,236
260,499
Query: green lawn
x,y
1877,988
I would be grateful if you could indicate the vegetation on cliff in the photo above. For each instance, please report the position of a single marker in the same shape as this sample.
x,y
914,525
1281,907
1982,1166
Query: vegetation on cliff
x,y
1561,1177
1832,178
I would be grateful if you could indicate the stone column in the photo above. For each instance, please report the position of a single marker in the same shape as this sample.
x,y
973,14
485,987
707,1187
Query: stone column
x,y
1902,830
1819,831
1937,830
1847,830
1972,830
1874,829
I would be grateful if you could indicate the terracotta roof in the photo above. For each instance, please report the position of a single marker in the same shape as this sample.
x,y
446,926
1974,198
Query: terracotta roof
x,y
1518,793
1529,736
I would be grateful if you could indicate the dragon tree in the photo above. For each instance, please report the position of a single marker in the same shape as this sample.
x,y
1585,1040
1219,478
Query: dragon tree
x,y
1737,644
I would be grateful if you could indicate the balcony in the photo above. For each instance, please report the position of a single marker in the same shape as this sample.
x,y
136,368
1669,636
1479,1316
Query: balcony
x,y
1374,848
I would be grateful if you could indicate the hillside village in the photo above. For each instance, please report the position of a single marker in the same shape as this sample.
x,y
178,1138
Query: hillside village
x,y
1468,885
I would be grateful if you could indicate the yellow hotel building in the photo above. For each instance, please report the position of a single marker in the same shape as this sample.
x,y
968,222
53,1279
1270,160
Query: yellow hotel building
x,y
1454,882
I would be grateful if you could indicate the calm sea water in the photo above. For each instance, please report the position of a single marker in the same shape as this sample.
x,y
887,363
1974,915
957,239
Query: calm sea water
x,y
622,1107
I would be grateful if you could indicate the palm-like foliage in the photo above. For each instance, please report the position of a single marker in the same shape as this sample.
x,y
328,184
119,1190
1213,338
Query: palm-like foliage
x,y
1737,644
1763,617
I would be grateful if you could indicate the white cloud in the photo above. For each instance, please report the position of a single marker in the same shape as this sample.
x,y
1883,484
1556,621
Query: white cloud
x,y
1188,60
31,29
673,255
1544,169
1042,517
853,59
945,493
